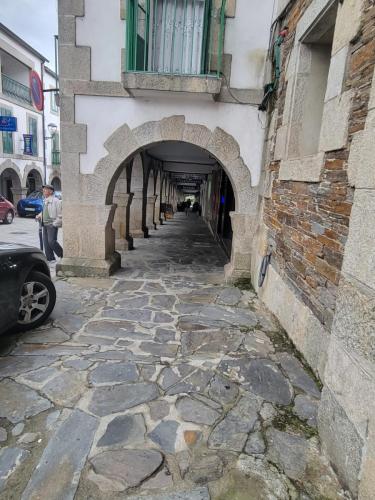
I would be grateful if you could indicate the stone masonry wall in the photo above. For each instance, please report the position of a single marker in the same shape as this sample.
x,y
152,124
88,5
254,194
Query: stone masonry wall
x,y
309,221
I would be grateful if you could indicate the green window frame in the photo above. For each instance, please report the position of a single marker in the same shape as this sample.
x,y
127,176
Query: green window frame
x,y
32,126
146,38
137,46
7,137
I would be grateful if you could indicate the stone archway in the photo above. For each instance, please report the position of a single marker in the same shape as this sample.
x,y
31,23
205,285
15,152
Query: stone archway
x,y
32,178
91,251
10,182
56,183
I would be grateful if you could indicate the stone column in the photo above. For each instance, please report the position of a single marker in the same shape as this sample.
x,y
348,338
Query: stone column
x,y
347,410
174,199
243,226
123,239
18,194
150,208
89,241
135,222
157,202
157,211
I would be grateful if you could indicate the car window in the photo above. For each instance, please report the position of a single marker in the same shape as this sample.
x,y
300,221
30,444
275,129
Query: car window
x,y
35,194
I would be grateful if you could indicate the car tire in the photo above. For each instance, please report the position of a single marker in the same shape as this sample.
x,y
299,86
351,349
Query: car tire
x,y
9,216
37,300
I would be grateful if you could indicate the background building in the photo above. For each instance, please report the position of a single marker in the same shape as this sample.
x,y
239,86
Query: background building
x,y
22,173
52,117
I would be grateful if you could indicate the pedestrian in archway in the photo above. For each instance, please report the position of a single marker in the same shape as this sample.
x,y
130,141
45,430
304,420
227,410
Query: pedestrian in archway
x,y
51,219
187,206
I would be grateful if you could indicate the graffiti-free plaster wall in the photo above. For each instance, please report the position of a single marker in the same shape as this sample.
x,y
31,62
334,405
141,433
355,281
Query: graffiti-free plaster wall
x,y
103,115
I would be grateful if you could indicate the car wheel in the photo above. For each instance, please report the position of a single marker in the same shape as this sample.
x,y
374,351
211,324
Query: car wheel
x,y
37,300
9,216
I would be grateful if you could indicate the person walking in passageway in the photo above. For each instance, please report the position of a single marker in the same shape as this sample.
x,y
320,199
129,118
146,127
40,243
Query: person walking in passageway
x,y
187,206
51,219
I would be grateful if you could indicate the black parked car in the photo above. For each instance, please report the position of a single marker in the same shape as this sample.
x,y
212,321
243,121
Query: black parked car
x,y
27,293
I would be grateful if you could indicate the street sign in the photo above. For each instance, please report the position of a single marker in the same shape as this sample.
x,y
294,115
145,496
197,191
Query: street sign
x,y
36,89
8,124
27,144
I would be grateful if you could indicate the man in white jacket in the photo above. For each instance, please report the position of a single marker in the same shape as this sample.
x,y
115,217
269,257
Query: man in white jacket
x,y
51,217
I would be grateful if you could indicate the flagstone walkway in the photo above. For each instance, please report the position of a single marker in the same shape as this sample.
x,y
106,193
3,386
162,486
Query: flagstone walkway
x,y
160,383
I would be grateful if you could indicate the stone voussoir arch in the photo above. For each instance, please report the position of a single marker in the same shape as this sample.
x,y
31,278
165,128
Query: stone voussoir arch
x,y
29,168
8,164
125,142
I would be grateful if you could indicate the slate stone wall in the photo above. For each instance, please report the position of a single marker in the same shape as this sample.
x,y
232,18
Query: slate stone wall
x,y
309,221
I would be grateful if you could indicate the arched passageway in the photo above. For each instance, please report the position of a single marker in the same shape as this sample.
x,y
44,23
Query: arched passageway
x,y
56,183
10,184
34,181
147,172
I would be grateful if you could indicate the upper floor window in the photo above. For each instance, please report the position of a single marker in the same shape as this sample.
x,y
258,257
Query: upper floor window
x,y
7,137
179,37
32,128
53,104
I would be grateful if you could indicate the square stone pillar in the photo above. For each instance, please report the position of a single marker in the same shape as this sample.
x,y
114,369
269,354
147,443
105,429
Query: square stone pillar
x,y
157,211
123,240
136,215
243,226
150,210
88,241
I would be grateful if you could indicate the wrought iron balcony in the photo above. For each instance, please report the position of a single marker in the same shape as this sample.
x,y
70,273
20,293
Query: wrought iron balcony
x,y
55,157
14,89
175,37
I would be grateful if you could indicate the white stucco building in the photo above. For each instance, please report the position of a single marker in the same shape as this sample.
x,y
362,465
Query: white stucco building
x,y
156,109
22,173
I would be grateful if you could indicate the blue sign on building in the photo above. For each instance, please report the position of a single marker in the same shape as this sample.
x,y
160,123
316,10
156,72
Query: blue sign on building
x,y
8,124
27,144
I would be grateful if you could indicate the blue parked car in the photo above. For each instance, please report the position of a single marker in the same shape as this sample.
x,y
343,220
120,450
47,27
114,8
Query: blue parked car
x,y
33,204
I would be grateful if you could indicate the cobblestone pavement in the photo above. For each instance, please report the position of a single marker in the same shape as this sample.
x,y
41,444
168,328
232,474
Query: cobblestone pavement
x,y
160,383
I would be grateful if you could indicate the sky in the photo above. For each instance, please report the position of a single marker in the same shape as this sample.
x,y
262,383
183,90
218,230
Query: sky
x,y
35,21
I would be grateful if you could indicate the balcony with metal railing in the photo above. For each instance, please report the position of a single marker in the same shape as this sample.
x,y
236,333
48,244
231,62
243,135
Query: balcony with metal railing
x,y
16,90
174,45
56,158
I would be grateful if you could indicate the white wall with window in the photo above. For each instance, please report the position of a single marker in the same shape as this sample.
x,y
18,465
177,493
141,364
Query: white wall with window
x,y
169,37
52,123
19,171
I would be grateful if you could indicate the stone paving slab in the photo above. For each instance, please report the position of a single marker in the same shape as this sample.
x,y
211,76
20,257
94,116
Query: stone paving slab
x,y
10,459
160,383
58,473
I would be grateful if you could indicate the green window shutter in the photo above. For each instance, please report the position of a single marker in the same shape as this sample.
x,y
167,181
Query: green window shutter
x,y
137,34
33,130
7,137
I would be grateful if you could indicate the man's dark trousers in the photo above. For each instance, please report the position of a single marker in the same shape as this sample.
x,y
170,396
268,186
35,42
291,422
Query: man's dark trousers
x,y
51,244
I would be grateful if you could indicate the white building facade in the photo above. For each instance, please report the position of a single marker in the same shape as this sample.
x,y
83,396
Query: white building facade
x,y
167,91
22,173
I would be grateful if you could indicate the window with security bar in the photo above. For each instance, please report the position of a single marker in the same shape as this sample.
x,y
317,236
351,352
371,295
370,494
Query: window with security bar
x,y
179,37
